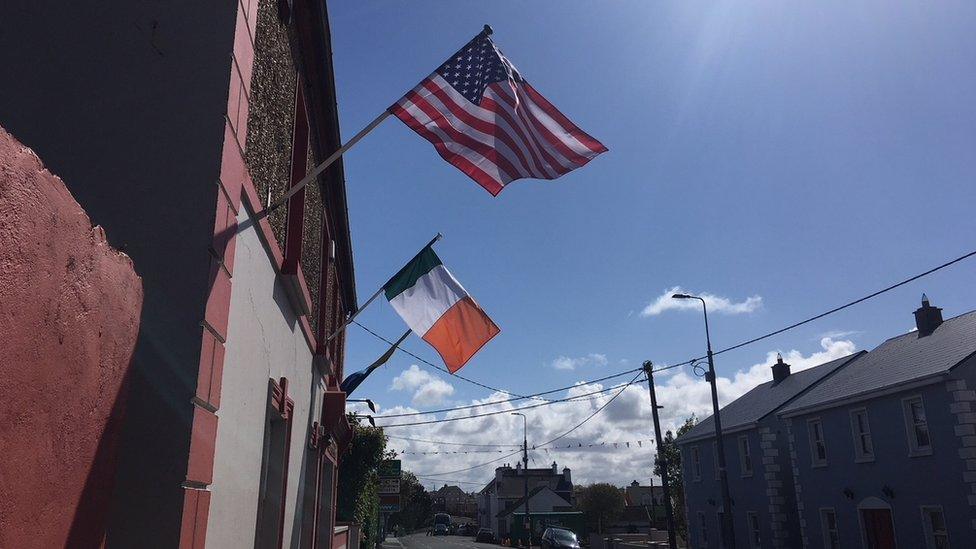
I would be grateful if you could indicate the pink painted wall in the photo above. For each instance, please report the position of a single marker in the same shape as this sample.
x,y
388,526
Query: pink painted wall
x,y
69,317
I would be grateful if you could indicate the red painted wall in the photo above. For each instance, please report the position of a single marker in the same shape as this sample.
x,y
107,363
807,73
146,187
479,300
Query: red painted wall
x,y
69,317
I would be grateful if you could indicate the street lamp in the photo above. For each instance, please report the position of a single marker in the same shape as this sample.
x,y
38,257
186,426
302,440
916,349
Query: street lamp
x,y
525,472
728,534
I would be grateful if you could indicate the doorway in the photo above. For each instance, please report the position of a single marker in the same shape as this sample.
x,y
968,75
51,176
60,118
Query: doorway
x,y
879,530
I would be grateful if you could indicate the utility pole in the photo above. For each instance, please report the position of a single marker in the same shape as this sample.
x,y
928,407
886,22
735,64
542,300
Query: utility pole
x,y
525,475
662,461
728,530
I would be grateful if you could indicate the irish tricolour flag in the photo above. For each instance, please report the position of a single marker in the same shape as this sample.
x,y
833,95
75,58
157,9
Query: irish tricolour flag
x,y
438,309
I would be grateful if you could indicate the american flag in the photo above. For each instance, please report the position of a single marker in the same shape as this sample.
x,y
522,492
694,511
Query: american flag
x,y
483,117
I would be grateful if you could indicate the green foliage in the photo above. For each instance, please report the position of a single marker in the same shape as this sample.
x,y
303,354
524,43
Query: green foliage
x,y
357,499
672,455
415,504
601,504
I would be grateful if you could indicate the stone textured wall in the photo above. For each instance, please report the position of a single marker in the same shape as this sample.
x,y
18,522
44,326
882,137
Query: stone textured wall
x,y
69,313
312,260
270,122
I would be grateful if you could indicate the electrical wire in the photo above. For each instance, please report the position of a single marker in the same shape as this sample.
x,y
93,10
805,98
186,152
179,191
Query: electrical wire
x,y
474,466
455,443
453,481
509,410
598,410
468,407
661,369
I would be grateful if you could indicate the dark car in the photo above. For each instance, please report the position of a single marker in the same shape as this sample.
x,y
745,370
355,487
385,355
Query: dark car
x,y
485,536
559,538
440,529
465,530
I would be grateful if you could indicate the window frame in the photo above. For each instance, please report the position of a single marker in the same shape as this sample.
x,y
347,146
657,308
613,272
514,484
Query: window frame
x,y
927,526
861,455
696,472
745,456
824,530
280,409
914,450
815,459
755,530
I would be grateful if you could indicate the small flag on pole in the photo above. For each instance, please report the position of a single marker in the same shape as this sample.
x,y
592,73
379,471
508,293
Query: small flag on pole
x,y
484,118
439,310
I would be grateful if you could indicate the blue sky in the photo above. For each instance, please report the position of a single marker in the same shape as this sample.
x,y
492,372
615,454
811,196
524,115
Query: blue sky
x,y
800,154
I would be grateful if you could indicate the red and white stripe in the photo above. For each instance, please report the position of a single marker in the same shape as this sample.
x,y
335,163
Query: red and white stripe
x,y
515,133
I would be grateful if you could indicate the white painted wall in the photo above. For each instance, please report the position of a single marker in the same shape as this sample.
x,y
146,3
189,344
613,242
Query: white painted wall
x,y
264,341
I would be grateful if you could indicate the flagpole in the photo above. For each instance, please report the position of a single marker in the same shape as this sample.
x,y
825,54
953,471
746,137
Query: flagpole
x,y
372,298
324,165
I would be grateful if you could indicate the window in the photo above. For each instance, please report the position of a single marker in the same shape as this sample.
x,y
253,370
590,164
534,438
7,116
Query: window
x,y
919,443
863,446
695,463
715,460
818,446
755,538
828,526
702,530
274,465
936,534
745,458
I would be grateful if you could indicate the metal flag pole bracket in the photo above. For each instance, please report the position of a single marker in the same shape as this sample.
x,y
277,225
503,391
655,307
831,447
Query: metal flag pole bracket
x,y
372,298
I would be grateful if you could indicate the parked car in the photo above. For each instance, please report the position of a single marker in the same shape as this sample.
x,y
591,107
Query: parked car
x,y
559,538
485,535
440,530
465,530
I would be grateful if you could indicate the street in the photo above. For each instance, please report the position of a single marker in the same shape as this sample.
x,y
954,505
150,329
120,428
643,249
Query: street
x,y
423,541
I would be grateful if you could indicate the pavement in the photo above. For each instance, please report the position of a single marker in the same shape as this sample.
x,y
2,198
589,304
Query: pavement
x,y
423,541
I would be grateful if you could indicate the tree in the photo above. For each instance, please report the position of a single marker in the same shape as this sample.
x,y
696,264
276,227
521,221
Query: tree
x,y
672,455
601,504
358,498
415,504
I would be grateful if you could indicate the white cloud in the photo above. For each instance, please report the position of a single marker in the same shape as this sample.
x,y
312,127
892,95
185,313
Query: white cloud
x,y
567,363
715,303
628,418
428,390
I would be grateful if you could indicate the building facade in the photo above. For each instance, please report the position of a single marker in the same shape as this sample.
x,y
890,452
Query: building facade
x,y
757,461
453,501
233,423
884,452
502,496
872,450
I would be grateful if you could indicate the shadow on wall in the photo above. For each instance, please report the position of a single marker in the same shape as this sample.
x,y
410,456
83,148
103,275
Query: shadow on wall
x,y
70,310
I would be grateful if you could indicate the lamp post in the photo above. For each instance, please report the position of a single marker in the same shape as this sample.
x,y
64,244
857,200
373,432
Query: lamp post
x,y
525,472
728,533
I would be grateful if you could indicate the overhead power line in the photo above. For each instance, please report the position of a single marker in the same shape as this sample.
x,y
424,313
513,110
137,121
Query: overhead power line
x,y
505,411
515,396
669,367
428,475
455,443
588,418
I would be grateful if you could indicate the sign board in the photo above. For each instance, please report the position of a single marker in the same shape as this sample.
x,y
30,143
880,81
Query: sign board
x,y
389,486
389,503
389,468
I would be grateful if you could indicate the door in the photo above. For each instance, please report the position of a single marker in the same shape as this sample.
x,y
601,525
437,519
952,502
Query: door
x,y
879,532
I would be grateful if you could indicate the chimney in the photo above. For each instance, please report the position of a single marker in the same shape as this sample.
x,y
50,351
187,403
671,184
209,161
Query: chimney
x,y
781,370
567,476
927,317
554,469
518,465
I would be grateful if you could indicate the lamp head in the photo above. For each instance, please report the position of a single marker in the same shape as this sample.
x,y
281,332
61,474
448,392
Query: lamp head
x,y
682,296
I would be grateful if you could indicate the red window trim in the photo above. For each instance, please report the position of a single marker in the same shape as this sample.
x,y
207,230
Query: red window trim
x,y
285,407
294,231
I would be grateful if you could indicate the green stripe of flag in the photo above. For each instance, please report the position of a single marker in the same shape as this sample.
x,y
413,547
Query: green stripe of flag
x,y
420,265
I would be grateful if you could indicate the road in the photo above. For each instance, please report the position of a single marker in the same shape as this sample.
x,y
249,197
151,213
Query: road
x,y
422,541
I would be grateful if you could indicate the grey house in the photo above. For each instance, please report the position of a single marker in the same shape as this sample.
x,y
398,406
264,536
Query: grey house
x,y
884,450
757,457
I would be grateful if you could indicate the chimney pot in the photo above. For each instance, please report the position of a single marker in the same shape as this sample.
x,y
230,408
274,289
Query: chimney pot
x,y
781,370
927,317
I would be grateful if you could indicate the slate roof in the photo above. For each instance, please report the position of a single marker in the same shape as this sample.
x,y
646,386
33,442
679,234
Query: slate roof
x,y
764,399
899,360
